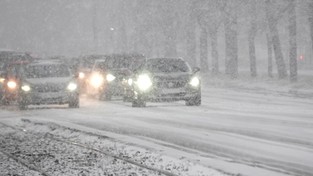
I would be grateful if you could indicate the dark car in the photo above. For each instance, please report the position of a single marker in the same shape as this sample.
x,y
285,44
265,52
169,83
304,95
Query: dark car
x,y
7,58
48,82
10,81
110,74
165,79
82,67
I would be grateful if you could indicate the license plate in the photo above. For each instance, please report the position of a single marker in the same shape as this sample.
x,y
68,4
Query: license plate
x,y
172,91
51,95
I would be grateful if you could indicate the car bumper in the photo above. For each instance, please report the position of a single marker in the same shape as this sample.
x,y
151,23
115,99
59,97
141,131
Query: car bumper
x,y
49,98
169,94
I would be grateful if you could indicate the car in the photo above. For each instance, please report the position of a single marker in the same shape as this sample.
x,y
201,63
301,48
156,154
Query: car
x,y
8,57
11,81
109,75
82,67
48,82
165,79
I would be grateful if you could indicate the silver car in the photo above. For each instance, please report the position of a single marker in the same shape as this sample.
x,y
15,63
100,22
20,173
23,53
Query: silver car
x,y
165,79
48,82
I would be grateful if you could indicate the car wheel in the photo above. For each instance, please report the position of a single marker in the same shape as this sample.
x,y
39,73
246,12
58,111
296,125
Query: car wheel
x,y
195,101
105,97
140,102
22,105
74,103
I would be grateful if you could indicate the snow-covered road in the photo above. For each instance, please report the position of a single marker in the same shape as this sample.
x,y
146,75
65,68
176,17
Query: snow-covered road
x,y
235,131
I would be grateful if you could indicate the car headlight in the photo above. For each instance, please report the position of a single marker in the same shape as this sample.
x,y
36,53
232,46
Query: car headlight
x,y
11,84
72,86
25,88
110,77
81,75
130,81
144,82
96,80
2,80
195,82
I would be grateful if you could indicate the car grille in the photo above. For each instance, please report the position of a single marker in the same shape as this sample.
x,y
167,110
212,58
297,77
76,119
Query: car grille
x,y
49,88
170,83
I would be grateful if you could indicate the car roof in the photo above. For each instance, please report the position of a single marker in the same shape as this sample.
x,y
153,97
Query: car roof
x,y
47,62
166,58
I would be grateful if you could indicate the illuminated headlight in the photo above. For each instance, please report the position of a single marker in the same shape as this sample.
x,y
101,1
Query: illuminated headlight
x,y
144,82
96,80
81,75
11,84
130,81
72,86
2,80
110,77
195,82
25,88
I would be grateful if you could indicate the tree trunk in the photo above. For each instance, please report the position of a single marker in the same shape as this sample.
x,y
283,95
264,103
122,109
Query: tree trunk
x,y
231,45
311,24
204,50
311,28
191,42
270,55
251,40
281,66
214,52
292,42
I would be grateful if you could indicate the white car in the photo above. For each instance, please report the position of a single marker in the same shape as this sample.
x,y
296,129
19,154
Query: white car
x,y
48,82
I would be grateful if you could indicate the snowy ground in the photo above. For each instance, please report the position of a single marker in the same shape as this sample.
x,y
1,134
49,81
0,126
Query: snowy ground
x,y
249,129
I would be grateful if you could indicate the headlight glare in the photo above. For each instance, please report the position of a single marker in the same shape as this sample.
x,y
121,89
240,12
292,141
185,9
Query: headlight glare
x,y
72,86
110,77
81,75
25,88
130,81
96,80
144,82
11,84
195,82
2,80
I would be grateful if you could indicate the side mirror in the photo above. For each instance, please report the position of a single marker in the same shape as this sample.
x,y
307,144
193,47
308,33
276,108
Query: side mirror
x,y
195,69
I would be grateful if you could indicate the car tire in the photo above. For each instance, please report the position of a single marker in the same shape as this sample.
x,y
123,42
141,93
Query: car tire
x,y
74,103
22,105
105,97
195,101
140,102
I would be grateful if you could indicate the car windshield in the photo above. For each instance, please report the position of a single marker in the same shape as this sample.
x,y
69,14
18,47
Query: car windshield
x,y
100,65
167,66
124,62
46,71
9,57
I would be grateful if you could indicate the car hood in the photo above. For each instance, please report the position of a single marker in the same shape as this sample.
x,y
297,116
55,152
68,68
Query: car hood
x,y
166,76
40,81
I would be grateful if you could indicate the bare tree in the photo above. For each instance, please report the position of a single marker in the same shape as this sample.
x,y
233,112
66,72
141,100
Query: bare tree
x,y
269,55
292,41
272,23
231,43
251,38
191,33
311,21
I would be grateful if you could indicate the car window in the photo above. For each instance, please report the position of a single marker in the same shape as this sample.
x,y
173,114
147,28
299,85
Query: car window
x,y
100,66
167,66
131,63
46,71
